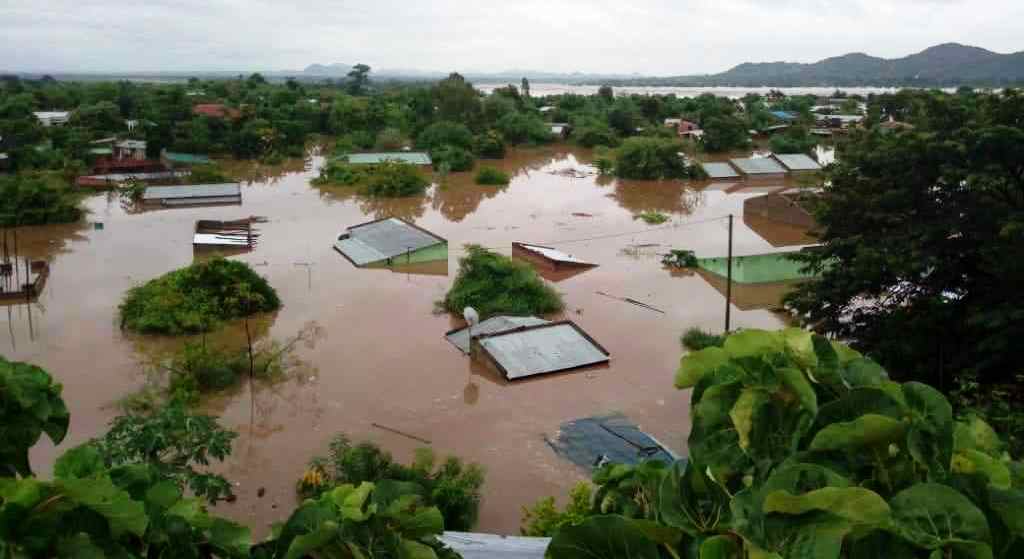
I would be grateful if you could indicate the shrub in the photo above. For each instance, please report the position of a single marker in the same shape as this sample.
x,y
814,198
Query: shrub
x,y
490,145
36,200
445,133
390,139
494,284
796,139
452,158
593,133
544,519
650,158
452,487
696,339
652,218
492,176
394,179
207,174
680,259
520,128
196,298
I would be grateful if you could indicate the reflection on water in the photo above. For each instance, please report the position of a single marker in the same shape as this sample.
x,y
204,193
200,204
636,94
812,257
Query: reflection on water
x,y
385,360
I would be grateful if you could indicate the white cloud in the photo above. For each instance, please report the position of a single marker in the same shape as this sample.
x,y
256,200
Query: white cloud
x,y
653,37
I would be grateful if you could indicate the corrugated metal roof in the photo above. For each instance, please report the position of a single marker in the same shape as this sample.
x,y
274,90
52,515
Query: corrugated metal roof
x,y
552,254
203,201
386,238
783,115
797,162
719,170
592,441
490,546
131,144
758,166
460,338
121,177
546,348
411,157
232,189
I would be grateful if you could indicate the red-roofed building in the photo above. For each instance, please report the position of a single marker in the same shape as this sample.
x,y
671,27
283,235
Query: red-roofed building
x,y
216,110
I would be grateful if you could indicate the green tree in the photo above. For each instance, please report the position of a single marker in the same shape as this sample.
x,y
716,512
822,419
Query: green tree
x,y
920,234
724,133
358,78
650,158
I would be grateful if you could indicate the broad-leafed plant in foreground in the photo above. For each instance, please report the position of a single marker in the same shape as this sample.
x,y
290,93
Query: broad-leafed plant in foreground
x,y
801,447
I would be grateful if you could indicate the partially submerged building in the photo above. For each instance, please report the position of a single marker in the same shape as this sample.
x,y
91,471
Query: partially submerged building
x,y
460,337
410,157
192,195
797,162
231,234
717,170
759,167
52,118
756,268
130,149
109,180
540,349
591,442
390,241
548,256
472,545
175,160
560,130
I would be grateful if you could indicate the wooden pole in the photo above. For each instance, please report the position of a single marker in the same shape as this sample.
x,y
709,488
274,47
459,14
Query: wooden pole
x,y
728,284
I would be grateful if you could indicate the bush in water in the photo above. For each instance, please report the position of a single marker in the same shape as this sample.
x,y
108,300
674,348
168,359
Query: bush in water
x,y
494,284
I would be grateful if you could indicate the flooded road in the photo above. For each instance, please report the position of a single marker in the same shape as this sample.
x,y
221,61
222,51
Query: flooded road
x,y
381,358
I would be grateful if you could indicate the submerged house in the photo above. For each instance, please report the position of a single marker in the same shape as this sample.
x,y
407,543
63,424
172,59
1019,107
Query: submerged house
x,y
410,157
718,170
173,160
53,118
797,163
130,149
560,130
390,241
759,167
192,195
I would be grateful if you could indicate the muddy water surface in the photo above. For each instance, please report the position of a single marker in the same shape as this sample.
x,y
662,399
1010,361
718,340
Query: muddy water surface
x,y
381,358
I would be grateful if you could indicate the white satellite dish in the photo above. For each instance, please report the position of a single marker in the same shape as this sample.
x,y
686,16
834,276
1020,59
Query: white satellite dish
x,y
472,318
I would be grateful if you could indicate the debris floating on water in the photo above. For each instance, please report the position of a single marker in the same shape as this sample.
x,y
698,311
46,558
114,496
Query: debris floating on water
x,y
631,301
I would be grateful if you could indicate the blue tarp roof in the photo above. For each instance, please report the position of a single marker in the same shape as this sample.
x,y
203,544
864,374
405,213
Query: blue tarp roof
x,y
784,115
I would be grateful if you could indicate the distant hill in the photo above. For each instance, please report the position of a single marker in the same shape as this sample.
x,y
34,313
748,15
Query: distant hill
x,y
330,70
949,64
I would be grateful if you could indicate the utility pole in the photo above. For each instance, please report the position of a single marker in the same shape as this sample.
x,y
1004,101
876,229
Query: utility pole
x,y
728,283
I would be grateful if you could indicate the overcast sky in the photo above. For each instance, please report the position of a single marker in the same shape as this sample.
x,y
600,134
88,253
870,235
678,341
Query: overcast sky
x,y
654,37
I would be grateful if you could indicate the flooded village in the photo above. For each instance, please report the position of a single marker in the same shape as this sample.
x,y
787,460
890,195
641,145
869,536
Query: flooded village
x,y
380,367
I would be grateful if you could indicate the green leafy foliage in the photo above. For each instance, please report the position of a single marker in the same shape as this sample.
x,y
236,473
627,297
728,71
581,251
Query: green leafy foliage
x,y
544,519
946,192
451,486
36,200
197,298
652,218
801,447
452,158
176,443
495,284
796,139
650,158
389,179
30,405
695,339
491,176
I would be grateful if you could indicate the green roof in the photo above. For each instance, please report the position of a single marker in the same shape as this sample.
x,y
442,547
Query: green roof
x,y
756,268
101,151
186,158
411,157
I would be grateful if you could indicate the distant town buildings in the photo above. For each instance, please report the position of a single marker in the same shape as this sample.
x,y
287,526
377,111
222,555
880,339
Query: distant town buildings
x,y
53,118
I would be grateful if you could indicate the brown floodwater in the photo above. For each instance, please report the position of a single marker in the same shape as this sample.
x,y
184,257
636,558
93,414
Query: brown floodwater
x,y
379,356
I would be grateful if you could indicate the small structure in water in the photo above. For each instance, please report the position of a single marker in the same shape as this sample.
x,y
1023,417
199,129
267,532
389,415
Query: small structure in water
x,y
192,195
231,234
718,170
472,545
390,241
410,157
174,160
548,256
797,162
31,280
111,180
591,442
757,268
540,349
460,337
759,167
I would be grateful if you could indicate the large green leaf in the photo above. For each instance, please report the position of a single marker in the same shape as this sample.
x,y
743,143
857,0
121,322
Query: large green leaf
x,y
424,522
862,372
855,504
694,366
602,537
690,501
801,387
1009,505
800,344
971,461
720,547
975,434
752,343
229,537
930,439
931,515
306,544
163,495
869,430
101,495
416,550
743,411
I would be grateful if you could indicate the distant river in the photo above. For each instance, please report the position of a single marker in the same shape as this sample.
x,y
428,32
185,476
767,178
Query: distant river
x,y
540,89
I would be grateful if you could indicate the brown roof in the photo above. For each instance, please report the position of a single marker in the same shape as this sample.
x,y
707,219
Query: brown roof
x,y
216,110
